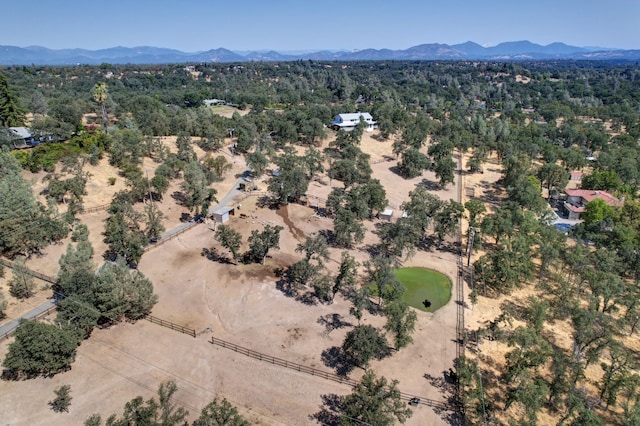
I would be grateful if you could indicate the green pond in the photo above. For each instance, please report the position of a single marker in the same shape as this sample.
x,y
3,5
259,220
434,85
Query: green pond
x,y
424,284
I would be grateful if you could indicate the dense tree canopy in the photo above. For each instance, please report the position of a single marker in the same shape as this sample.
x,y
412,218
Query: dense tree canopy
x,y
26,226
40,349
541,120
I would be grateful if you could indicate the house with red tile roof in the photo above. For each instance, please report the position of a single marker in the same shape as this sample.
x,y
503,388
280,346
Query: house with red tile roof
x,y
578,198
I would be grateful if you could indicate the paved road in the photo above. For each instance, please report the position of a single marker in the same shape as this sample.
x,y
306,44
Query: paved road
x,y
12,325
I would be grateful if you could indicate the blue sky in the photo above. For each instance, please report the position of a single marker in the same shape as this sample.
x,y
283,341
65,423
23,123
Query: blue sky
x,y
196,25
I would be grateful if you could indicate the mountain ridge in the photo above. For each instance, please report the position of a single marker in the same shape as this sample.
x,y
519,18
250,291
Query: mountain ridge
x,y
509,51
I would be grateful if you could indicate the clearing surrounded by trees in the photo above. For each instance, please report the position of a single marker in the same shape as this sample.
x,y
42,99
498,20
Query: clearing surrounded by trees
x,y
194,261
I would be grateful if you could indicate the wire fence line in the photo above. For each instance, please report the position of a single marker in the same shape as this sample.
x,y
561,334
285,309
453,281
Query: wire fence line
x,y
439,405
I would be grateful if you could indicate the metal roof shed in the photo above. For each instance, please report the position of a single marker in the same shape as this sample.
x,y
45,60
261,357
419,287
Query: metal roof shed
x,y
221,214
386,215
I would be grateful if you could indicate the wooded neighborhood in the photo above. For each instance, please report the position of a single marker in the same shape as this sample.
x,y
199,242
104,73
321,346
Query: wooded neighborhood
x,y
273,204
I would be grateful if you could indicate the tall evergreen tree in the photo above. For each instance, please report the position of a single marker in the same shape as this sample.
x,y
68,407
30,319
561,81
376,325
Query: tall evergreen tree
x,y
26,226
12,114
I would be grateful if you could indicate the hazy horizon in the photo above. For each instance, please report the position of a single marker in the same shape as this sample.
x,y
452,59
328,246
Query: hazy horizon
x,y
302,51
251,25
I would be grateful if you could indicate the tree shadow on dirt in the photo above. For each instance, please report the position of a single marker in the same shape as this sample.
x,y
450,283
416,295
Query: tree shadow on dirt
x,y
283,284
427,243
493,192
335,357
328,235
321,211
333,322
396,171
214,255
446,384
372,249
452,247
330,410
179,197
289,289
267,201
185,217
308,298
430,185
431,243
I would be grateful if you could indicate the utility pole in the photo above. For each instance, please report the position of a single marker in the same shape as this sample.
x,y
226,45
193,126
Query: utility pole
x,y
484,411
233,148
149,186
472,234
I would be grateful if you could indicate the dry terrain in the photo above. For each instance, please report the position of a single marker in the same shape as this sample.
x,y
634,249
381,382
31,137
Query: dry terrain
x,y
241,304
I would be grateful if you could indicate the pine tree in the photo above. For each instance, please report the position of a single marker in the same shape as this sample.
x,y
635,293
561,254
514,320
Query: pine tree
x,y
12,114
62,401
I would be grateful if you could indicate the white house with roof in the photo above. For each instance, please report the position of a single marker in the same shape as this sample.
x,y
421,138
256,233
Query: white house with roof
x,y
21,132
351,120
210,102
22,137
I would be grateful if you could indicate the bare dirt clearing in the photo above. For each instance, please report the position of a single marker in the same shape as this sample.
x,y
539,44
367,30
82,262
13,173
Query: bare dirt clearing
x,y
241,304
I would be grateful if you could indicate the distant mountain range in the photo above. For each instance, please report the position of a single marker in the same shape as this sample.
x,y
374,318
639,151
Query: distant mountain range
x,y
509,51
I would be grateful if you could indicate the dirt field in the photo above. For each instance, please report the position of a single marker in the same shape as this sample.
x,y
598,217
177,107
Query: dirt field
x,y
241,304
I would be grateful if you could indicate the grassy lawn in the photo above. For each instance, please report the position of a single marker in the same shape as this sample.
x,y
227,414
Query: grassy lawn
x,y
423,283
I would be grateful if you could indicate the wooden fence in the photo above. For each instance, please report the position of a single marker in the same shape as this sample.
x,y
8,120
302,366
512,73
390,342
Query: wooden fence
x,y
171,325
9,264
96,208
34,274
248,194
170,237
8,333
45,313
439,405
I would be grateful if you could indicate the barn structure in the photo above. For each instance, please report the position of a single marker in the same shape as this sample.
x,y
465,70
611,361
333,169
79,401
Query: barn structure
x,y
221,214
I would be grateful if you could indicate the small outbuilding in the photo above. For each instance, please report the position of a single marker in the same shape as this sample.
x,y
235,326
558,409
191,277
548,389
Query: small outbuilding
x,y
221,214
576,177
386,215
247,184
